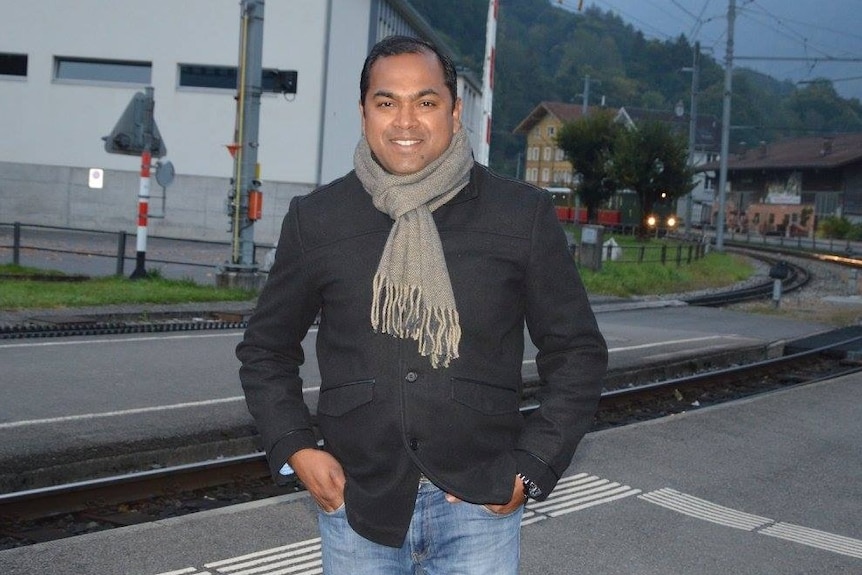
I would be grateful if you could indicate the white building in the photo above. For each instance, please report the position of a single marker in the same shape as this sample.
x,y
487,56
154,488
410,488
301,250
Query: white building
x,y
69,69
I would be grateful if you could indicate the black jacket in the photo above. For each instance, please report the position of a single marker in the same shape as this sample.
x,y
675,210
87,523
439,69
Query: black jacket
x,y
384,412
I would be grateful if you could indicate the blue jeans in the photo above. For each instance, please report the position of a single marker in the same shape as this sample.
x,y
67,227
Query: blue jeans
x,y
444,539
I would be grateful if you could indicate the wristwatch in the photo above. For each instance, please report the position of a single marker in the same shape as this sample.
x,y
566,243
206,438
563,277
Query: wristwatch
x,y
531,489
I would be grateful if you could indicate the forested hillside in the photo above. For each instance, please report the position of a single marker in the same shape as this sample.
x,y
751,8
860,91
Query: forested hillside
x,y
544,52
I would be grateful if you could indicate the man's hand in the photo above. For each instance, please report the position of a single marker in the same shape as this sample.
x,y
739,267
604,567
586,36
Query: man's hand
x,y
322,475
518,499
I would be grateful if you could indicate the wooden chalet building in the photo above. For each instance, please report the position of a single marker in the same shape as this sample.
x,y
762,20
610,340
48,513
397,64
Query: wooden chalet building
x,y
785,187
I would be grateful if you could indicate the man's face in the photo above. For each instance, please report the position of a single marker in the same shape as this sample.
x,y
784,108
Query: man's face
x,y
408,116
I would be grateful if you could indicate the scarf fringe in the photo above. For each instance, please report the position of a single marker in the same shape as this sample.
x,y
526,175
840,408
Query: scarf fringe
x,y
403,313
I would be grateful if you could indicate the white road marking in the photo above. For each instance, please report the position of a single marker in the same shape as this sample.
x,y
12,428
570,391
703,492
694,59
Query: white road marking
x,y
815,538
118,413
702,509
674,342
204,403
573,493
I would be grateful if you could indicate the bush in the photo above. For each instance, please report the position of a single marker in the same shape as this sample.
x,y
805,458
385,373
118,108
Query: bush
x,y
834,227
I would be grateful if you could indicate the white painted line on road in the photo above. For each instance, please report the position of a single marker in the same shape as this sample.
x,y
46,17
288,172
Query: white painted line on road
x,y
815,538
156,408
674,342
702,509
573,493
661,343
303,557
89,416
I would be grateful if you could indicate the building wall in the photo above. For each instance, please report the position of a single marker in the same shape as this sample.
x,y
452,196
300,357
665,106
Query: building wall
x,y
545,165
53,129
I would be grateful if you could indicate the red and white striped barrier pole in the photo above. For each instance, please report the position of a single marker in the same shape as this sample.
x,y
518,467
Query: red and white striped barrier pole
x,y
143,209
484,152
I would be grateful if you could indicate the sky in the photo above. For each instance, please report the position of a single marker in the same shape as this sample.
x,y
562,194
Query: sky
x,y
805,29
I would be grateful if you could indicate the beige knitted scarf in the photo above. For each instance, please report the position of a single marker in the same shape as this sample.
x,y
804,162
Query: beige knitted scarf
x,y
412,291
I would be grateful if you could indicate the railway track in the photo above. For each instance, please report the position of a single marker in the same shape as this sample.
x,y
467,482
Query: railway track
x,y
797,278
166,322
66,510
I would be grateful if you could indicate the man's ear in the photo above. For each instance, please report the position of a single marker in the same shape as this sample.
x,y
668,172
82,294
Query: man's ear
x,y
362,116
457,108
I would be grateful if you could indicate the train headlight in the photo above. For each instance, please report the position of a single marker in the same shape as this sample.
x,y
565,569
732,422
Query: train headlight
x,y
671,222
651,221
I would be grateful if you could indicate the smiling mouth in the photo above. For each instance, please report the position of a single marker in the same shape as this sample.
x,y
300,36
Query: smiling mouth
x,y
406,143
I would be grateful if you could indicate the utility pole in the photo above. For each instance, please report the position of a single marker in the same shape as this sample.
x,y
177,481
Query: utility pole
x,y
725,128
585,106
692,127
488,83
244,199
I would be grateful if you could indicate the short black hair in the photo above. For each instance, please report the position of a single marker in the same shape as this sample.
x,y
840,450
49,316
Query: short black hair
x,y
395,45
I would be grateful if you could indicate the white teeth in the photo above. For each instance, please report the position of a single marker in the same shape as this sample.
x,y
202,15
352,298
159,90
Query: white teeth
x,y
405,142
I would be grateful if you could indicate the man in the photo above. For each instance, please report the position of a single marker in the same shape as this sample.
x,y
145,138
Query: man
x,y
424,267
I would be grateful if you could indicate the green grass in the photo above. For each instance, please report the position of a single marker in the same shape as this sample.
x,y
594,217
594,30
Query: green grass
x,y
615,278
16,293
632,279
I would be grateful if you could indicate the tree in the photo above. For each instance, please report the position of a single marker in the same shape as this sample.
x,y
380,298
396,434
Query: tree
x,y
653,161
588,144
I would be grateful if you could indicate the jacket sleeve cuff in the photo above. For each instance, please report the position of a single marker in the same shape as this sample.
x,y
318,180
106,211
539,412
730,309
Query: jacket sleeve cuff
x,y
536,471
284,448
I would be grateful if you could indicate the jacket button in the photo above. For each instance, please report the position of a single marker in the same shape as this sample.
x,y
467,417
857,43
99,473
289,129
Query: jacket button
x,y
411,376
414,444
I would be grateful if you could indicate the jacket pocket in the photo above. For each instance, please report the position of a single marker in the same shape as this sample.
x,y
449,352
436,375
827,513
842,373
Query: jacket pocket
x,y
345,397
484,397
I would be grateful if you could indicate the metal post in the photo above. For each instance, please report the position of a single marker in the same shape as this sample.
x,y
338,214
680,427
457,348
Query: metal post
x,y
725,127
692,129
143,208
249,87
144,187
585,105
16,243
121,252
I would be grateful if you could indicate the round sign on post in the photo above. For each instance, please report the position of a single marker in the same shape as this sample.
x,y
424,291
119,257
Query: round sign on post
x,y
165,174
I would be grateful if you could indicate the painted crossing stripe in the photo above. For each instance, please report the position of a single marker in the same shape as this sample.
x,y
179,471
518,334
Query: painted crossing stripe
x,y
573,494
815,538
301,558
702,509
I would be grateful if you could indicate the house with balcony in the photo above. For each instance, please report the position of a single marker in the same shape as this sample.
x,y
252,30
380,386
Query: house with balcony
x,y
546,166
786,187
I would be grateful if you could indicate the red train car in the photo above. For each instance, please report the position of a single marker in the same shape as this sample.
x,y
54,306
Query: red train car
x,y
566,212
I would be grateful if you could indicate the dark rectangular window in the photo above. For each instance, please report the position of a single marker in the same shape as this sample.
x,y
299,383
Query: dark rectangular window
x,y
13,64
114,71
225,77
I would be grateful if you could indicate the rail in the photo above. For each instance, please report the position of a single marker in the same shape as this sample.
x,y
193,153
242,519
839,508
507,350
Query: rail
x,y
663,396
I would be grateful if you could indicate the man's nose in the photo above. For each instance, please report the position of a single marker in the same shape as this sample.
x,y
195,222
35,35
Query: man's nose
x,y
406,117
